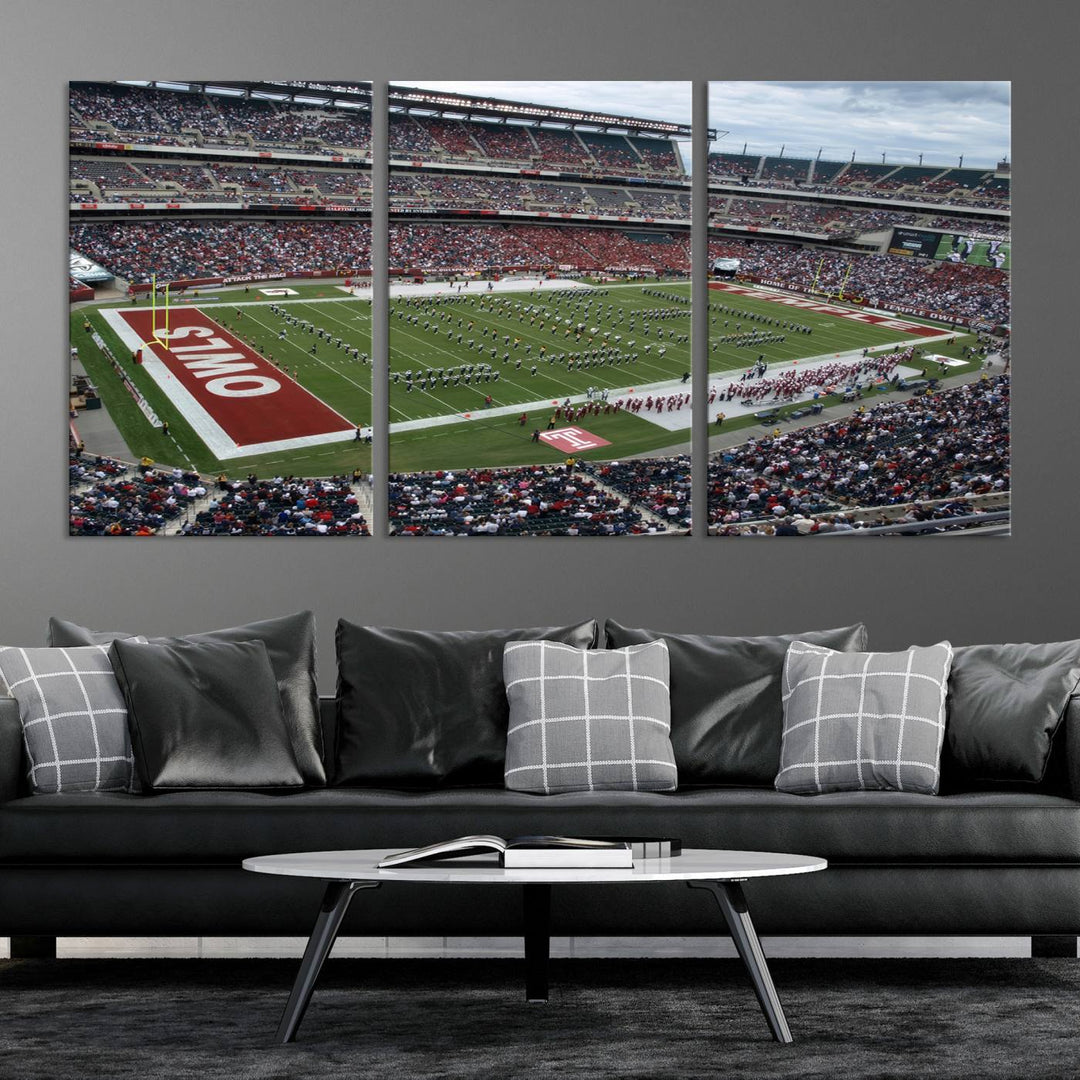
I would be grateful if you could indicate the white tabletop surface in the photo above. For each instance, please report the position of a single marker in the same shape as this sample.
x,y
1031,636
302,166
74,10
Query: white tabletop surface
x,y
694,864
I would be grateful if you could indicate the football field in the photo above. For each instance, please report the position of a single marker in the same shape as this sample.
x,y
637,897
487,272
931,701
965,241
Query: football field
x,y
477,377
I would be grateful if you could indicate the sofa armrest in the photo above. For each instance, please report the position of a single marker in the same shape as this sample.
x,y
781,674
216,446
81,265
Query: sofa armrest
x,y
1072,745
11,750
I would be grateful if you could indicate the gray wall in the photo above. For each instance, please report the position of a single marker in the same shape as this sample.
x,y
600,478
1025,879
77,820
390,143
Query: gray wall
x,y
967,589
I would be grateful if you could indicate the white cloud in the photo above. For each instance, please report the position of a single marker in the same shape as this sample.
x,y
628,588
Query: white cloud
x,y
940,120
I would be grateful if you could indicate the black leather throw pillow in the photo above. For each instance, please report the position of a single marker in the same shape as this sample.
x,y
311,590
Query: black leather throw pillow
x,y
290,645
205,715
1005,704
427,709
726,709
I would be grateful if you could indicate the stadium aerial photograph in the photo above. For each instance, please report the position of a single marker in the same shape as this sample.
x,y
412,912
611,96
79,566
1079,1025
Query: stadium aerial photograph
x,y
859,323
539,378
540,309
220,288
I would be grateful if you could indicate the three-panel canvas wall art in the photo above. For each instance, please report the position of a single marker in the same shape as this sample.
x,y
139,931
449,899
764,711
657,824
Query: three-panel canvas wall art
x,y
546,372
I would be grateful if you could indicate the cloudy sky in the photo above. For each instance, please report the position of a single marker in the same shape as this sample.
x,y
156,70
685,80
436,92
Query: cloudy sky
x,y
940,120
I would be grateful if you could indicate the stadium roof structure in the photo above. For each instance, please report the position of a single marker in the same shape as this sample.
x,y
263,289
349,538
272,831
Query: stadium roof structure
x,y
469,106
349,95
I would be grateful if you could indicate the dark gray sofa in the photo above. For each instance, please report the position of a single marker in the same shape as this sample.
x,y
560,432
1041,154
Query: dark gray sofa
x,y
991,862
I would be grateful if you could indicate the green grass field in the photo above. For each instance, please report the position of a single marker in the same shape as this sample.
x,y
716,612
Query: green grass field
x,y
526,330
541,327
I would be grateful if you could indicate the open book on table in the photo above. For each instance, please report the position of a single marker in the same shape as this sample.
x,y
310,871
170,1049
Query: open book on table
x,y
521,852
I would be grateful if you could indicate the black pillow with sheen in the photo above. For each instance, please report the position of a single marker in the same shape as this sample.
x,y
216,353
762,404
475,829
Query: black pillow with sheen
x,y
428,709
1005,704
727,713
290,645
205,715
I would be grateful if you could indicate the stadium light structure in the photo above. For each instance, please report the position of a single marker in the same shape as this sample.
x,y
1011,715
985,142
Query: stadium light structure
x,y
443,101
349,95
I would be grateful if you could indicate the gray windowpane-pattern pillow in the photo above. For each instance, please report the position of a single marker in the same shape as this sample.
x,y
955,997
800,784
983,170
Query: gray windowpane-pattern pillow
x,y
863,721
73,717
588,720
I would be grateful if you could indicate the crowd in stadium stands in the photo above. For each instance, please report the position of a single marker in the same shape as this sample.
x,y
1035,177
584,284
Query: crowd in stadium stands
x,y
660,484
117,180
125,108
500,193
969,187
110,498
584,248
107,173
195,249
250,177
957,290
283,506
505,142
424,246
187,176
472,140
353,182
997,229
407,136
657,154
794,215
451,137
181,249
660,204
560,148
612,152
944,447
541,500
107,499
168,117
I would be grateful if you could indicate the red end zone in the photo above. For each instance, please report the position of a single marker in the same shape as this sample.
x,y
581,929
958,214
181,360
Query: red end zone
x,y
791,300
250,400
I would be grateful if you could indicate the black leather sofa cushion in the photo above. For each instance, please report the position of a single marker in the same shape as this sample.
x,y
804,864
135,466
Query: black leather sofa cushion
x,y
726,709
290,644
227,826
426,709
205,715
1005,705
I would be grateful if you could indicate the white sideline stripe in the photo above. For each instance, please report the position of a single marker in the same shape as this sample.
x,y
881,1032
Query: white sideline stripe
x,y
213,435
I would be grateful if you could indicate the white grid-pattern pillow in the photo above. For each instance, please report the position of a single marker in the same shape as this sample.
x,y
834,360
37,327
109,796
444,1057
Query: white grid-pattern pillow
x,y
863,721
74,719
588,719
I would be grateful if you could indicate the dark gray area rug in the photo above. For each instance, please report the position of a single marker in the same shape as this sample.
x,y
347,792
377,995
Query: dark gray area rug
x,y
400,1019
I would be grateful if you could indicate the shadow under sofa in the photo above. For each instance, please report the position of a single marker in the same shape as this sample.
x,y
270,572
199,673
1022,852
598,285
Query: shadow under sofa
x,y
993,863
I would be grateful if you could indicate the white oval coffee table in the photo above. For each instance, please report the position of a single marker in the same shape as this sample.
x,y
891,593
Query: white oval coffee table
x,y
720,872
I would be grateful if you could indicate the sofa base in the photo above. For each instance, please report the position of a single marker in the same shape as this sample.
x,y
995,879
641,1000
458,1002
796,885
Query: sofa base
x,y
1053,946
141,901
36,947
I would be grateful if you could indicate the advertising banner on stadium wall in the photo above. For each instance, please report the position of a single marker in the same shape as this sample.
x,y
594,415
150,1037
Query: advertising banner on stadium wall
x,y
86,270
141,287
